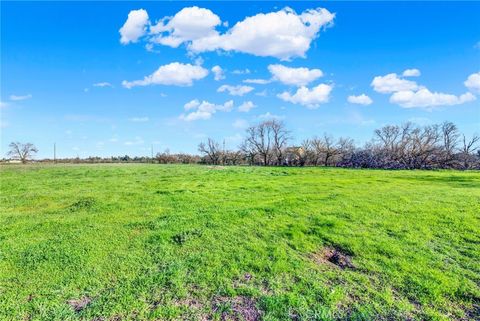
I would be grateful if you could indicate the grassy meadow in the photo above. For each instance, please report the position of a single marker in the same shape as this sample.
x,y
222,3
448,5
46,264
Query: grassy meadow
x,y
160,242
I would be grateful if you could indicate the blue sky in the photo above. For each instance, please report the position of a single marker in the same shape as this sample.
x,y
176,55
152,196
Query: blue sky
x,y
68,75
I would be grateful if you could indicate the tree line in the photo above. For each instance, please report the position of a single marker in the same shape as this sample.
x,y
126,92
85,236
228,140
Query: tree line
x,y
269,143
406,146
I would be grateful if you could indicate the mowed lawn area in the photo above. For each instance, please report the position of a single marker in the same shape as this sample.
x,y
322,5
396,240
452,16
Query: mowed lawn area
x,y
173,242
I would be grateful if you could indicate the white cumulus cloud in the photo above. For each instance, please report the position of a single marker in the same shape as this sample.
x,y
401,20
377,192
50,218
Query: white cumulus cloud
x,y
246,107
391,83
424,98
238,90
473,82
294,76
283,34
408,94
311,98
203,110
218,73
175,73
360,99
411,73
135,26
189,24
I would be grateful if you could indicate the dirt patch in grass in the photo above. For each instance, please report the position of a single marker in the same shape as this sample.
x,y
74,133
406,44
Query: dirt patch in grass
x,y
333,256
237,308
191,304
473,313
79,304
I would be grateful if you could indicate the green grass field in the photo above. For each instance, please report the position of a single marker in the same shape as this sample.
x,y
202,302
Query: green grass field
x,y
159,242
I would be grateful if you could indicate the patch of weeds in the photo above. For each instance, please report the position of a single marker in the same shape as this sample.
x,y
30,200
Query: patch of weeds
x,y
173,192
84,203
147,225
182,237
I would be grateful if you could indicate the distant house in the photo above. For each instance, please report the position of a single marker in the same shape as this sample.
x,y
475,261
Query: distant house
x,y
295,156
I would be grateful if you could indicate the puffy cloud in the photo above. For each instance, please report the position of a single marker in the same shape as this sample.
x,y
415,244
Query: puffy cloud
x,y
139,119
203,110
3,104
189,24
408,94
282,34
238,90
218,73
294,76
135,26
175,73
425,98
19,98
102,84
257,81
411,73
391,83
246,107
361,100
311,98
473,82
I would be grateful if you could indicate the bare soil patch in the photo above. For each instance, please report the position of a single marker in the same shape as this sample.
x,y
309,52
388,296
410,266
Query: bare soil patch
x,y
334,256
237,308
79,304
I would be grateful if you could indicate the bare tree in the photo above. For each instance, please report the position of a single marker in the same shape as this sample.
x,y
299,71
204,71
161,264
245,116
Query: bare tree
x,y
308,155
316,150
423,144
281,136
249,152
468,149
260,141
328,149
450,137
211,150
346,147
22,152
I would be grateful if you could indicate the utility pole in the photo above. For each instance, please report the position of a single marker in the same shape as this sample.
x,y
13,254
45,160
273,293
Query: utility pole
x,y
54,153
152,152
